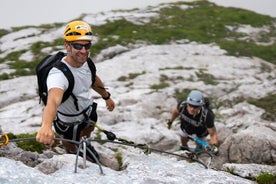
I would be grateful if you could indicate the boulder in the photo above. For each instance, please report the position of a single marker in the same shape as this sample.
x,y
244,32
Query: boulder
x,y
255,144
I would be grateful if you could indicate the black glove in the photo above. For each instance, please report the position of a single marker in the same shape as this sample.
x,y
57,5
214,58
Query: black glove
x,y
169,124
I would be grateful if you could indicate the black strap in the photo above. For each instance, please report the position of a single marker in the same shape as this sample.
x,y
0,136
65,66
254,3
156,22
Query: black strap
x,y
71,82
92,68
203,116
73,115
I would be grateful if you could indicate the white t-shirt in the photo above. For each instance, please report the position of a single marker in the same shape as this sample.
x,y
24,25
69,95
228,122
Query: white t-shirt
x,y
82,90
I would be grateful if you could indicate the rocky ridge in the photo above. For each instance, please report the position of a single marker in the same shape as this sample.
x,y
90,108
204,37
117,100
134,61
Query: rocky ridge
x,y
247,142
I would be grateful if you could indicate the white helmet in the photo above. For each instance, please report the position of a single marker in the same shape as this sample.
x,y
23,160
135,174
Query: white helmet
x,y
195,98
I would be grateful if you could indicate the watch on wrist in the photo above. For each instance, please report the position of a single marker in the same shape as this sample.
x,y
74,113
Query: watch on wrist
x,y
106,98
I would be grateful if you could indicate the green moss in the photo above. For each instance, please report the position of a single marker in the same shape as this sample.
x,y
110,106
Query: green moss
x,y
241,48
122,78
159,86
230,170
98,135
202,22
134,75
3,32
119,158
175,68
130,76
182,95
43,26
28,145
268,104
5,76
206,78
266,178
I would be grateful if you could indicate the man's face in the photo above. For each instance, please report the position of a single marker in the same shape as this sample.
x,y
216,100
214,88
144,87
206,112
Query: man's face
x,y
79,51
193,110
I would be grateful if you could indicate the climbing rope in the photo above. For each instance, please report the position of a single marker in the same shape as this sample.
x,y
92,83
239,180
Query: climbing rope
x,y
147,150
81,145
111,138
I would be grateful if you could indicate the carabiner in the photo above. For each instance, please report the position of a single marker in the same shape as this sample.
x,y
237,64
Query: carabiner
x,y
6,138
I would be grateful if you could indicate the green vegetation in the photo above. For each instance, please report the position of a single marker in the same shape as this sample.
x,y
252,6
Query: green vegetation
x,y
3,32
266,178
206,78
98,135
119,158
202,22
182,95
130,76
268,104
28,145
230,170
159,86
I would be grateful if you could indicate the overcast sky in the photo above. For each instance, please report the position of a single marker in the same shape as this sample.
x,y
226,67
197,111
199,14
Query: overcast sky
x,y
35,12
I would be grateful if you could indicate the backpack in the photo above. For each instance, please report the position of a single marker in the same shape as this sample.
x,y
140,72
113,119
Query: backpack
x,y
207,104
42,71
206,108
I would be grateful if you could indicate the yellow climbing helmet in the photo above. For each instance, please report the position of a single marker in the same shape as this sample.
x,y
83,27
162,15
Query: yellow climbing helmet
x,y
77,30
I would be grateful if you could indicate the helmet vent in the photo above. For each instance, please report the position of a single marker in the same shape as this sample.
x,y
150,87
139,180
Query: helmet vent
x,y
73,33
88,33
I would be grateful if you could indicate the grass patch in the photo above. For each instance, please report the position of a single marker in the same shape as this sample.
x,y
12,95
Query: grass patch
x,y
160,86
3,32
177,68
130,76
5,76
266,178
203,22
181,95
206,78
119,159
28,145
268,104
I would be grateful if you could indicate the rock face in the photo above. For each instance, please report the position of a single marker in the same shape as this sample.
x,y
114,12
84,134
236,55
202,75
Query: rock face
x,y
141,110
249,170
255,144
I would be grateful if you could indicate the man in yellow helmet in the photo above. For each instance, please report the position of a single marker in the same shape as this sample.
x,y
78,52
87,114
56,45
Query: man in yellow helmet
x,y
69,122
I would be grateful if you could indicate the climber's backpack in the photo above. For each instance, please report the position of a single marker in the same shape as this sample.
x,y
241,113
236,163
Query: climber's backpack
x,y
43,68
207,108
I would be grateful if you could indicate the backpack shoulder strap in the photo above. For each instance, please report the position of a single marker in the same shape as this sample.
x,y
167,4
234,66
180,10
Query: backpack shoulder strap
x,y
68,74
92,68
203,115
181,106
42,70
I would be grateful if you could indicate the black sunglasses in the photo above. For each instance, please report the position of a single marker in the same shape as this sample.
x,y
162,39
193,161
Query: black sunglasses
x,y
194,106
79,46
